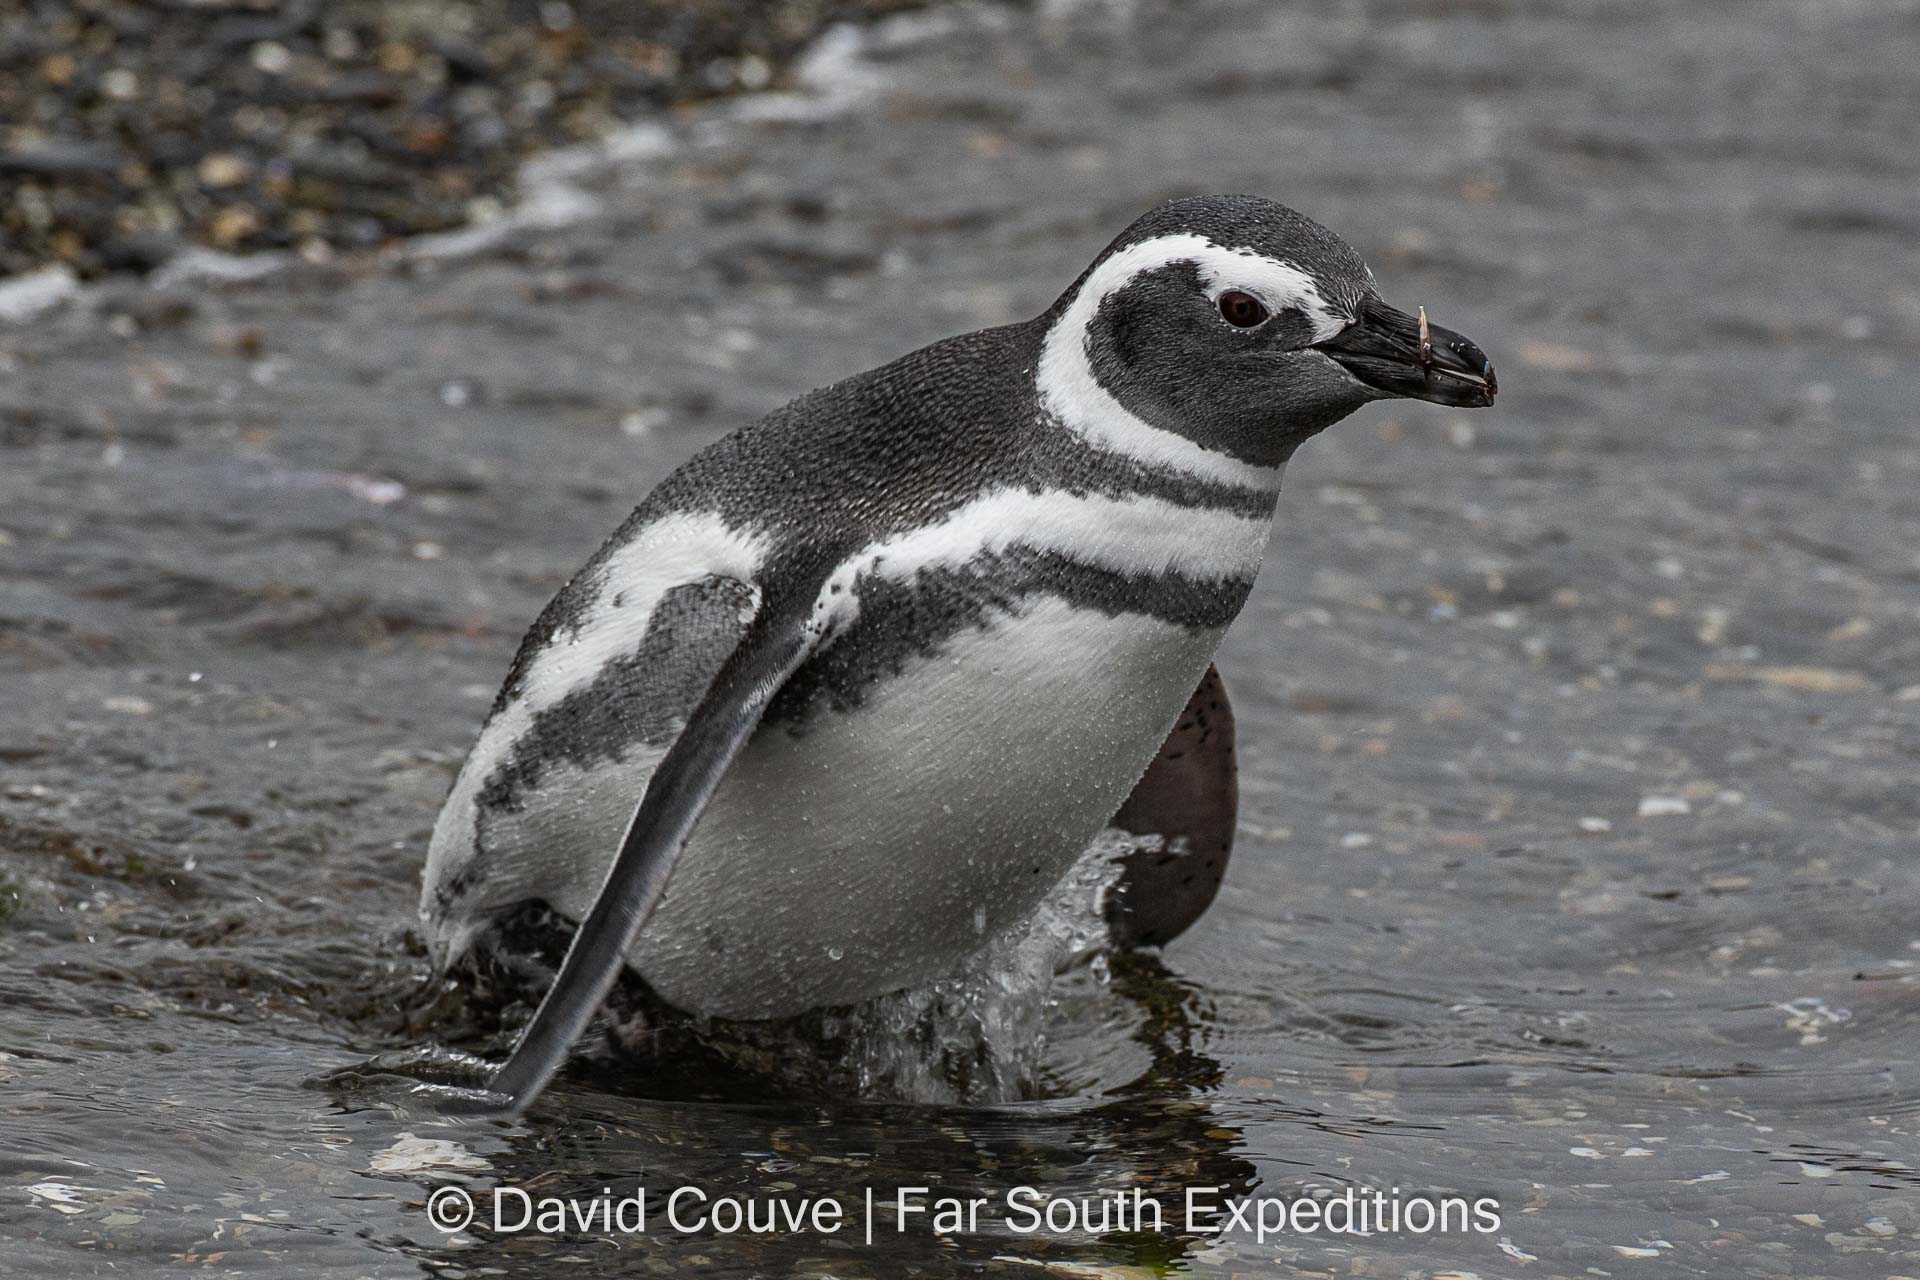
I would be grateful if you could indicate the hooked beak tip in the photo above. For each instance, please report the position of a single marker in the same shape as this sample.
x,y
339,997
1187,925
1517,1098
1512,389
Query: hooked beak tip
x,y
1409,356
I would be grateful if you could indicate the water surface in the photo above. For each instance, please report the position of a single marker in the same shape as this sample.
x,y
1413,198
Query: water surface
x,y
1577,866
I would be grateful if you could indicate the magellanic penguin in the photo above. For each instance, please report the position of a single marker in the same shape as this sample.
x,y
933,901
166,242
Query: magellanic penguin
x,y
854,687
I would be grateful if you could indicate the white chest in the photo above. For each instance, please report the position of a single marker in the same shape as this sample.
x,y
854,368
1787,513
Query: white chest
x,y
883,845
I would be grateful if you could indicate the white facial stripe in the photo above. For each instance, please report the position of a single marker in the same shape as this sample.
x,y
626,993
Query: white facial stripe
x,y
1277,284
1070,391
1138,535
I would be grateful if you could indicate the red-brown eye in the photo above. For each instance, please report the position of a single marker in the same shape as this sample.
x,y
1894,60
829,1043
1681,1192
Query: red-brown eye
x,y
1241,310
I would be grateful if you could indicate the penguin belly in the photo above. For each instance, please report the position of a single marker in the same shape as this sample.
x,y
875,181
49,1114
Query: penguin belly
x,y
877,847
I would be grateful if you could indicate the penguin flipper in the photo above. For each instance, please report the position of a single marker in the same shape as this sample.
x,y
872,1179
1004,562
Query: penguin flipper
x,y
1190,794
675,797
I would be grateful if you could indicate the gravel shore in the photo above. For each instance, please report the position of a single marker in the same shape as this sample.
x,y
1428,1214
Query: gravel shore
x,y
131,129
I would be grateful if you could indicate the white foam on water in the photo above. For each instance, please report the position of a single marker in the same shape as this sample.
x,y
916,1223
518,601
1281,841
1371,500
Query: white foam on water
x,y
198,265
27,297
61,1197
411,1154
832,77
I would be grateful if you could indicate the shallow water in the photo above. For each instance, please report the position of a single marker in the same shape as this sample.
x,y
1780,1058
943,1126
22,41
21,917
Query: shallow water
x,y
1577,866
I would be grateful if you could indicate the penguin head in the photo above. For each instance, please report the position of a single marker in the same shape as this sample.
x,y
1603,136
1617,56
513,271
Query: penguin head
x,y
1243,327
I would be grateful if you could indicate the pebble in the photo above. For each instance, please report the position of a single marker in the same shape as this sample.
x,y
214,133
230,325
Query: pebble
x,y
1663,806
224,170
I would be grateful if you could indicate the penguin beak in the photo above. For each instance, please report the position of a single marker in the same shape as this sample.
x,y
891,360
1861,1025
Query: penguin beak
x,y
1403,355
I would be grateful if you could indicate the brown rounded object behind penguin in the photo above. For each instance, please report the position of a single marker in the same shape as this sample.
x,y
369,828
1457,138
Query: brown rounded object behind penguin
x,y
1190,795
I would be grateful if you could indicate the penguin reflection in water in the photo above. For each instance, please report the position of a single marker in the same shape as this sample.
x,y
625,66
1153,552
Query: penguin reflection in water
x,y
852,689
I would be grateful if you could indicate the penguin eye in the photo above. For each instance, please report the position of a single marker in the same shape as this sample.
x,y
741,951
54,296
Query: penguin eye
x,y
1241,310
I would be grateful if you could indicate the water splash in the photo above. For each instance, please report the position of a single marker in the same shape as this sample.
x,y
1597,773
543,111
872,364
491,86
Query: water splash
x,y
981,1033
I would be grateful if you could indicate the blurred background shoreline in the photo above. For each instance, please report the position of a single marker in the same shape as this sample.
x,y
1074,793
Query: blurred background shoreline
x,y
129,130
